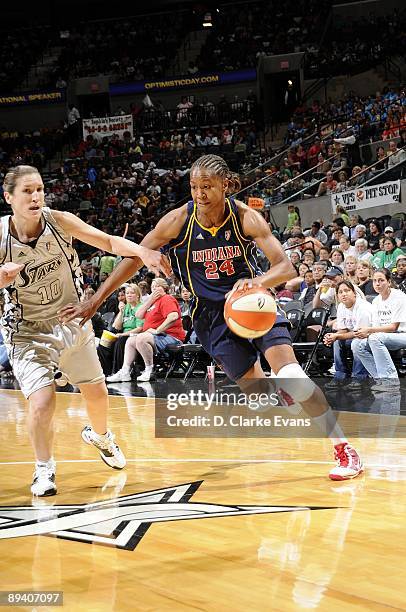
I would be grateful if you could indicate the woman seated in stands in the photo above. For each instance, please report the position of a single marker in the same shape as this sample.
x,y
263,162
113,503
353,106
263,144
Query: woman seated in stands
x,y
387,332
353,313
126,323
309,256
341,182
350,268
364,277
337,258
298,283
357,178
387,257
324,254
162,328
361,246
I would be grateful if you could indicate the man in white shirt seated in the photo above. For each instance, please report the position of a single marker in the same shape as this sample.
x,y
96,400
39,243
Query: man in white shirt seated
x,y
317,232
326,291
353,313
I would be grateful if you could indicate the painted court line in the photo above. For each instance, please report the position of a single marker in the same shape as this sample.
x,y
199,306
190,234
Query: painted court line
x,y
294,461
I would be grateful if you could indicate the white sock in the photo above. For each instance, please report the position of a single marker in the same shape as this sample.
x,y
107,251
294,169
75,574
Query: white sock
x,y
125,369
148,369
328,425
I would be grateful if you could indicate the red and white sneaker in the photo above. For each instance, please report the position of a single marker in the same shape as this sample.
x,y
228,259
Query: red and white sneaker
x,y
349,463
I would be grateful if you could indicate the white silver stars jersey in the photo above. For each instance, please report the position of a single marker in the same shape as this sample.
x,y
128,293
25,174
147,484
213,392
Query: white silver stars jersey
x,y
51,277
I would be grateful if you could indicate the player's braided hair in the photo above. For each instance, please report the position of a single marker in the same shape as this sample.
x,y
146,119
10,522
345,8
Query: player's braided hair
x,y
12,176
214,164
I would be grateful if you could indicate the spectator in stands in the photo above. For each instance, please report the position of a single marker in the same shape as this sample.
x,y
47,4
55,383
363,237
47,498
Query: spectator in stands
x,y
162,327
381,159
375,234
328,186
308,292
364,277
317,232
361,246
325,295
185,303
360,231
293,220
324,254
145,290
350,268
341,182
387,257
399,276
389,232
298,283
395,155
295,257
346,248
309,256
340,210
125,324
353,313
387,332
337,258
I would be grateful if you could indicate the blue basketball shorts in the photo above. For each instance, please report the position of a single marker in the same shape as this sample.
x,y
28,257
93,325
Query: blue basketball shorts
x,y
234,354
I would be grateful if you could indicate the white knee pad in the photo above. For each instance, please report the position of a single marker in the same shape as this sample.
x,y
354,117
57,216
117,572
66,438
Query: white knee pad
x,y
300,390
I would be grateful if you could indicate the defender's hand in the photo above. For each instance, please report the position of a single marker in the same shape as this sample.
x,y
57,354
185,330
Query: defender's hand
x,y
155,261
82,310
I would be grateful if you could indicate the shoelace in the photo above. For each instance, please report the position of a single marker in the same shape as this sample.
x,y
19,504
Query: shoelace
x,y
342,456
107,442
43,471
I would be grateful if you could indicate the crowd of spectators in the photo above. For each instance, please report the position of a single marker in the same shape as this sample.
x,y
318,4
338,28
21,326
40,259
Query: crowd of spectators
x,y
245,32
323,154
353,46
381,116
132,49
19,50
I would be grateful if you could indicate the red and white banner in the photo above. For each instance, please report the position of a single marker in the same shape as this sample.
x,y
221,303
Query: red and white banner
x,y
99,127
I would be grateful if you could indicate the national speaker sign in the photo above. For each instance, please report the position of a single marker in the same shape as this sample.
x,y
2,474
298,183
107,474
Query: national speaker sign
x,y
366,197
99,127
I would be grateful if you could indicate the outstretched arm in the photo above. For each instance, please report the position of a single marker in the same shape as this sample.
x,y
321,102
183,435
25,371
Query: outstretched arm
x,y
74,226
168,227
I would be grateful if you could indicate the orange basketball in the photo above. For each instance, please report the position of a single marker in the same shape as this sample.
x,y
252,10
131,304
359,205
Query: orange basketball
x,y
250,313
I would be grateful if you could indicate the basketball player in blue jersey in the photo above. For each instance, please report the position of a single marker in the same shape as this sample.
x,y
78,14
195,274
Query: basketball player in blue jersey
x,y
40,273
212,243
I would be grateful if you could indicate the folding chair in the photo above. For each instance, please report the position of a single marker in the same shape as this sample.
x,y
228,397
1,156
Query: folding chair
x,y
318,316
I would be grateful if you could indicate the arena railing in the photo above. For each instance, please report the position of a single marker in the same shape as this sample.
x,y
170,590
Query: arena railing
x,y
393,173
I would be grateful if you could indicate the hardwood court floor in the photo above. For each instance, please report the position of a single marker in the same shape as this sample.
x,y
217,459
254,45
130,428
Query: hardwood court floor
x,y
348,555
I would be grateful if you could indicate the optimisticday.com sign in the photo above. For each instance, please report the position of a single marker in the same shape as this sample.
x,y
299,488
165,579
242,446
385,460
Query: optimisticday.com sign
x,y
367,197
99,127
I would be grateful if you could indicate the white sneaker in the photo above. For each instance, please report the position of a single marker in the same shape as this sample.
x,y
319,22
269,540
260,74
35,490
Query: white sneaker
x,y
43,483
109,451
119,376
349,463
145,376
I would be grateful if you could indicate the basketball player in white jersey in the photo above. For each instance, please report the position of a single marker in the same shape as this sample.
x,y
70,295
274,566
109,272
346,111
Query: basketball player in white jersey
x,y
40,273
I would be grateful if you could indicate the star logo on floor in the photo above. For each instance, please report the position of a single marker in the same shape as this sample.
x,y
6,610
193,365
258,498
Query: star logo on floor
x,y
123,521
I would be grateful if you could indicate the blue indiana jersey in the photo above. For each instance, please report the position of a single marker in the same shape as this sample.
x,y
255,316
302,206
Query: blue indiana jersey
x,y
210,261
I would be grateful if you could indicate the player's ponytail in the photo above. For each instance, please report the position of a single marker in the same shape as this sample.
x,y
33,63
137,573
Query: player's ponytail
x,y
214,164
